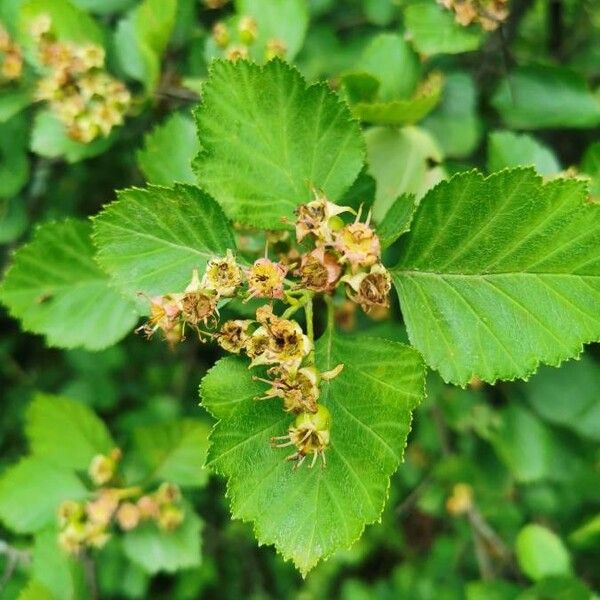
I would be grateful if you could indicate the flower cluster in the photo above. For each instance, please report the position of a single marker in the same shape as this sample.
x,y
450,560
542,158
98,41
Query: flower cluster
x,y
11,58
490,14
236,44
78,89
350,254
338,255
87,524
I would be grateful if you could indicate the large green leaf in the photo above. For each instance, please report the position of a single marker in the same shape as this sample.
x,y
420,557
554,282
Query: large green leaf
x,y
151,239
169,148
174,452
543,96
47,419
310,513
31,491
55,288
267,137
155,550
500,274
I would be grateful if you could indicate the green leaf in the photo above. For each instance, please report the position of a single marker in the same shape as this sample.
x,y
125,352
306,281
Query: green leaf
x,y
32,490
151,239
541,553
226,385
155,550
536,97
49,139
558,588
60,573
36,591
47,420
507,149
568,396
284,20
104,7
169,148
13,101
14,165
267,137
174,452
141,38
590,165
360,87
398,112
56,289
390,60
69,22
398,160
310,513
433,29
455,123
500,274
397,220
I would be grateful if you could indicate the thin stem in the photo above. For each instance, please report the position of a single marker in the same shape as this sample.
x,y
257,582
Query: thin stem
x,y
330,313
310,330
298,304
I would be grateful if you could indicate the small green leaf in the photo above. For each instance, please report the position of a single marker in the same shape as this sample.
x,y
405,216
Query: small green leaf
x,y
398,160
56,289
32,490
501,274
13,101
579,382
151,239
391,61
536,97
360,87
455,122
141,38
36,591
69,22
267,137
49,139
169,148
174,452
14,164
104,7
47,419
507,149
155,550
590,165
397,219
54,568
310,513
398,112
284,20
433,29
541,553
558,588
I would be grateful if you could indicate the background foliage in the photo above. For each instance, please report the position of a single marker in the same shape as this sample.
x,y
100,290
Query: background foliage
x,y
498,495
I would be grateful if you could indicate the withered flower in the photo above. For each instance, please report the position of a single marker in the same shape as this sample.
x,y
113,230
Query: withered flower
x,y
320,270
223,275
370,289
358,244
233,335
315,218
266,279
